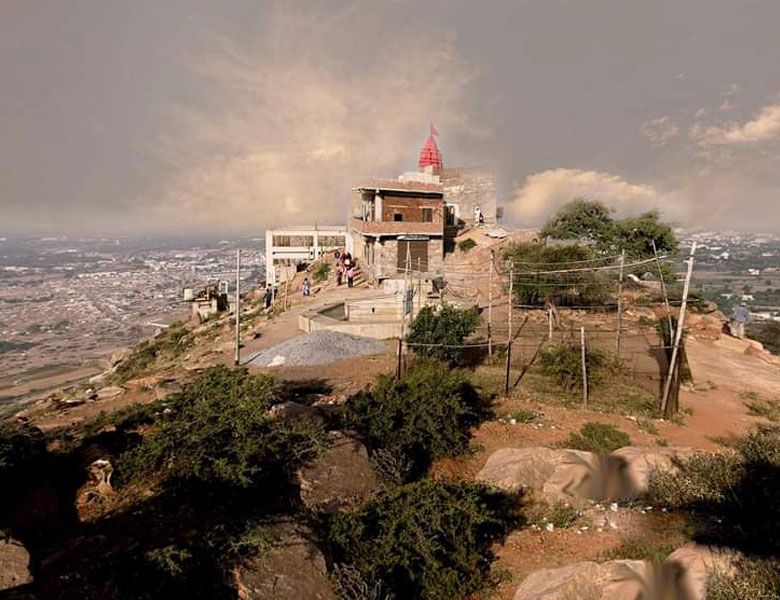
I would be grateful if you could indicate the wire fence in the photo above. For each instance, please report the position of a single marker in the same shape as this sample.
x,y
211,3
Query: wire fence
x,y
591,307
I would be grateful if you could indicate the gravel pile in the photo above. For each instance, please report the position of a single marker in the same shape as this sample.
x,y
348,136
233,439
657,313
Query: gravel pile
x,y
317,348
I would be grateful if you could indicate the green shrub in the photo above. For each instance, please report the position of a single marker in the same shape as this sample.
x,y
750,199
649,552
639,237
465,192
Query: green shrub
x,y
217,429
735,492
754,578
321,273
169,560
563,363
429,540
521,416
19,444
561,514
652,550
762,407
444,325
601,438
647,426
425,416
705,478
466,245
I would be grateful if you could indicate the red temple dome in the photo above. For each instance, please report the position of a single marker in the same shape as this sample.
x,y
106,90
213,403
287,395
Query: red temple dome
x,y
430,156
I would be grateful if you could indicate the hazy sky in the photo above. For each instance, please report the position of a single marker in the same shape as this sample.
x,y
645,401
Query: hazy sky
x,y
226,116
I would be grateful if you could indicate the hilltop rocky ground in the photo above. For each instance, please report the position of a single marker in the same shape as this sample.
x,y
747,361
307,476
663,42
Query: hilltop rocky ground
x,y
583,533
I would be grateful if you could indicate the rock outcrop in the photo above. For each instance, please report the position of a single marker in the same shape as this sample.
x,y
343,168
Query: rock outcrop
x,y
339,477
14,564
294,411
613,580
513,469
682,576
291,568
697,562
641,461
573,474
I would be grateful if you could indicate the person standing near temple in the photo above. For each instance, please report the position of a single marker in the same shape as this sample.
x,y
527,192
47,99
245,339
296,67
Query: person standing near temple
x,y
739,318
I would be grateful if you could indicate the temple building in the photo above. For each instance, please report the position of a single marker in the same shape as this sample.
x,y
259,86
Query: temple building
x,y
412,221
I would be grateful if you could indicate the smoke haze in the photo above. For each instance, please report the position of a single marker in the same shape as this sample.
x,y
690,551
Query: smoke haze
x,y
227,117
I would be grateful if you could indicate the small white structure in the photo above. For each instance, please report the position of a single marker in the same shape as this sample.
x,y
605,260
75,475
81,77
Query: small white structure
x,y
288,247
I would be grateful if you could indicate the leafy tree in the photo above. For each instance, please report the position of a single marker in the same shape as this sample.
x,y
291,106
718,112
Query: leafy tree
x,y
635,235
425,416
582,219
429,540
217,428
534,287
592,222
445,325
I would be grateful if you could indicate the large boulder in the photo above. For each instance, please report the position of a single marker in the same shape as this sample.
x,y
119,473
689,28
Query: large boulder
x,y
588,476
641,461
339,477
697,562
613,580
514,469
111,391
291,568
14,564
557,473
293,411
577,475
682,576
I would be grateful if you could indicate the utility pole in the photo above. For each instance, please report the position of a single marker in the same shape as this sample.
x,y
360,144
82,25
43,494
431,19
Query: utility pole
x,y
238,307
549,324
490,305
407,265
619,301
678,331
584,361
511,299
419,285
663,289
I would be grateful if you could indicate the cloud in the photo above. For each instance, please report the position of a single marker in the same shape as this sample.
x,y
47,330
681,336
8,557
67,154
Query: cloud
x,y
543,193
298,118
659,131
764,127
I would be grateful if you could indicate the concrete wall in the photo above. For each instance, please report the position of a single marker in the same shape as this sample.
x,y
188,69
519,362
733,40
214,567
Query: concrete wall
x,y
468,188
411,208
382,308
388,262
381,331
